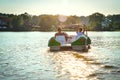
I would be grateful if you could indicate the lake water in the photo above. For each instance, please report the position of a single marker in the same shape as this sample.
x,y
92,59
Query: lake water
x,y
25,56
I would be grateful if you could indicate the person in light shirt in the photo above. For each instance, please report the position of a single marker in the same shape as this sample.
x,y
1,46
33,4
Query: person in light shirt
x,y
60,33
80,32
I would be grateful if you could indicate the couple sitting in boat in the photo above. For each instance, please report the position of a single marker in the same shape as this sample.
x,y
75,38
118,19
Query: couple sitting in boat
x,y
80,32
64,38
61,35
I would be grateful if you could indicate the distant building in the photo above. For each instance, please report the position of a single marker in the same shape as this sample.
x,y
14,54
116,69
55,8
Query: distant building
x,y
4,22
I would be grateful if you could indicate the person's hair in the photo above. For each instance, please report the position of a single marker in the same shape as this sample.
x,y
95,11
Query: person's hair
x,y
80,29
59,28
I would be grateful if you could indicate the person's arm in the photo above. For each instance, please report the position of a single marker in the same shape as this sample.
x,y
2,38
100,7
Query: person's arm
x,y
66,35
83,31
55,34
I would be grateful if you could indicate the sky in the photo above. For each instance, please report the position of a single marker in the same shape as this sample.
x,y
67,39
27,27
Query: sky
x,y
64,7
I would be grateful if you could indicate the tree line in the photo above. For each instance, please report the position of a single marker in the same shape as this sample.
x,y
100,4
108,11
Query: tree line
x,y
44,22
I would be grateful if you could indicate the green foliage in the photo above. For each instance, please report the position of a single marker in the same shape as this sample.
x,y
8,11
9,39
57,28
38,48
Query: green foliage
x,y
95,21
44,22
17,21
35,20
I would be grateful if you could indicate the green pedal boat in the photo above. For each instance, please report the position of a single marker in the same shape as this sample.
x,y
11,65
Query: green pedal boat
x,y
81,43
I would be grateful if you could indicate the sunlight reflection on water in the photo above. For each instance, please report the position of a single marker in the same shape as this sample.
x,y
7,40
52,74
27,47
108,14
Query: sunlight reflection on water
x,y
73,65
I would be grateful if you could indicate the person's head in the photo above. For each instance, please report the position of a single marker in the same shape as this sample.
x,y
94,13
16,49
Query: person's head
x,y
79,29
59,29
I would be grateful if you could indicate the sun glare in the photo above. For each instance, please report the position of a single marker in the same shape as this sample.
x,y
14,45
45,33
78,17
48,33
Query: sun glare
x,y
62,18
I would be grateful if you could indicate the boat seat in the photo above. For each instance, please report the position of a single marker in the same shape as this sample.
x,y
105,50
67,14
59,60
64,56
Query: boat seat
x,y
61,39
71,39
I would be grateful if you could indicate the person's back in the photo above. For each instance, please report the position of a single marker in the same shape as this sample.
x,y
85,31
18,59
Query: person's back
x,y
79,32
60,33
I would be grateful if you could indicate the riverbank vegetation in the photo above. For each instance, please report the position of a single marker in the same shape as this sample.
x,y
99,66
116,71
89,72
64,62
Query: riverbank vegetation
x,y
27,22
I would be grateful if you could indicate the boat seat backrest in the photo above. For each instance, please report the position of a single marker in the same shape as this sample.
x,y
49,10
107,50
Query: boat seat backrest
x,y
61,39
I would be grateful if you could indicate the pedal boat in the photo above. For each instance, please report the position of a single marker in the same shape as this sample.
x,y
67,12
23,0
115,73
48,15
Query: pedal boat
x,y
59,43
